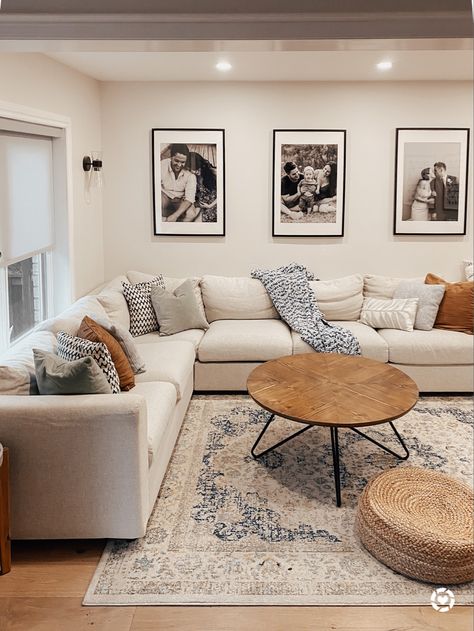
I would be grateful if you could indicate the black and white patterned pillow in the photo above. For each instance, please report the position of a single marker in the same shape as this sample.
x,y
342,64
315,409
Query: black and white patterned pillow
x,y
71,348
142,314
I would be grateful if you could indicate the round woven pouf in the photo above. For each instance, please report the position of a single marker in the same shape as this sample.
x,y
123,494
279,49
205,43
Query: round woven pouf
x,y
419,523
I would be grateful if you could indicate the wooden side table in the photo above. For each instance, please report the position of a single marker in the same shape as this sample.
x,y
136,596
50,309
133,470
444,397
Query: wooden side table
x,y
5,545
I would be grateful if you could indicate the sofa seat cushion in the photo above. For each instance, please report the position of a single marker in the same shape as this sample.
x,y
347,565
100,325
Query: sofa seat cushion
x,y
371,344
245,340
429,348
160,398
191,335
171,362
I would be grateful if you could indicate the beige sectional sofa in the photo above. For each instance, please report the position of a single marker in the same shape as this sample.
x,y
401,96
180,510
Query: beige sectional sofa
x,y
91,466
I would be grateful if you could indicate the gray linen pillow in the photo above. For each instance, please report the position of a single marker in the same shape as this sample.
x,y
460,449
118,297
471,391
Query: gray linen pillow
x,y
125,339
177,310
429,299
60,376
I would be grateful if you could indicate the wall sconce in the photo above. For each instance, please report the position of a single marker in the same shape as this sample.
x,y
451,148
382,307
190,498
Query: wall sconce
x,y
92,166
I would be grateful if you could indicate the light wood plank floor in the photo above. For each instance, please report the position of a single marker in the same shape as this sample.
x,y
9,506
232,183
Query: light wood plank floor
x,y
44,590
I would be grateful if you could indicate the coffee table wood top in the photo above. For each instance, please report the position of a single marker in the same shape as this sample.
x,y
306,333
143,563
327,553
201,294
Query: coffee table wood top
x,y
332,390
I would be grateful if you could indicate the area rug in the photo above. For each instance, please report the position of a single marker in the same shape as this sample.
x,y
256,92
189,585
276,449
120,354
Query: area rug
x,y
229,530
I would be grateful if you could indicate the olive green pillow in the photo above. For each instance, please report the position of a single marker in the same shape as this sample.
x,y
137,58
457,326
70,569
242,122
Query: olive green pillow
x,y
177,310
55,375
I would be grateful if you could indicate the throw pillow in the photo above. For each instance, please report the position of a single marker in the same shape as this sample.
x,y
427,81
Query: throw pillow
x,y
124,338
92,331
178,310
429,298
142,315
71,348
456,309
381,313
59,376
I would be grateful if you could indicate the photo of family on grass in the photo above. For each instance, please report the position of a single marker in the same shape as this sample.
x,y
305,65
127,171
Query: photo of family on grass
x,y
308,182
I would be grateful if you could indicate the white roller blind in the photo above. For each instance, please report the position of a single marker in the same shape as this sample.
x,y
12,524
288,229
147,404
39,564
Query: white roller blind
x,y
26,196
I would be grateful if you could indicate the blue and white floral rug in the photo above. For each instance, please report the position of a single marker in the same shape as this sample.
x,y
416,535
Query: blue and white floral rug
x,y
229,530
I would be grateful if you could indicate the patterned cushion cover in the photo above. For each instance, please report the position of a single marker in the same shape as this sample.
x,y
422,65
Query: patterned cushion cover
x,y
72,348
142,314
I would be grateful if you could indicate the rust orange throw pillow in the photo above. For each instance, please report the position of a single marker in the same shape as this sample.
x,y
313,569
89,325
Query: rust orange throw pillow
x,y
90,330
456,309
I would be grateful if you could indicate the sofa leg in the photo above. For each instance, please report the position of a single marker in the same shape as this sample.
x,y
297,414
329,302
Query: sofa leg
x,y
5,545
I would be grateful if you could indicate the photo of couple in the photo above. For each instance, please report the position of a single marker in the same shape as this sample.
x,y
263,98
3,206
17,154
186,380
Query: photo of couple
x,y
431,180
188,181
436,195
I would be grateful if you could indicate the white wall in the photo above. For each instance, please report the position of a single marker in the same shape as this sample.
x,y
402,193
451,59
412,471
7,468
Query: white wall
x,y
38,82
249,112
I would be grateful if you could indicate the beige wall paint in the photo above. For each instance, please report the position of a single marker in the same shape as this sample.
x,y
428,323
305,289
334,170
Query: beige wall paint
x,y
38,82
249,112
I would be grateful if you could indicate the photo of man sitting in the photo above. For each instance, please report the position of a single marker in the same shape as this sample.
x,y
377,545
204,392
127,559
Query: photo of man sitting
x,y
178,186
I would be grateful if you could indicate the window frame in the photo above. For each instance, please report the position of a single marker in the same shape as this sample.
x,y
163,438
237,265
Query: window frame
x,y
60,288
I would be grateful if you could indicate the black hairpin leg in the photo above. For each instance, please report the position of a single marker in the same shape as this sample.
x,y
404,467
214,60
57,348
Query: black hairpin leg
x,y
335,462
282,442
392,453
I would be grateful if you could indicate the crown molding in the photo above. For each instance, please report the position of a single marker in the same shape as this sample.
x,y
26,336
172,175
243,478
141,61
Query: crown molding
x,y
269,26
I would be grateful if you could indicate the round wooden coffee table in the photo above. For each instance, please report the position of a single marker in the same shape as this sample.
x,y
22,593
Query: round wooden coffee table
x,y
336,391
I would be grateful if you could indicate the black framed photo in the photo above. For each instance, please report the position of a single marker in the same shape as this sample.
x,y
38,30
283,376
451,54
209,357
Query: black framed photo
x,y
308,182
188,181
431,169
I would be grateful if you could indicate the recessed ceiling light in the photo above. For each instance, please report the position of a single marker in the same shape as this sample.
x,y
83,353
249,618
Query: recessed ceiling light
x,y
223,66
384,65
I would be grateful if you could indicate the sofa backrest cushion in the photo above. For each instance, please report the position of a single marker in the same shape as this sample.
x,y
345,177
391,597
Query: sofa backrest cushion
x,y
17,367
236,298
115,306
376,286
70,319
341,298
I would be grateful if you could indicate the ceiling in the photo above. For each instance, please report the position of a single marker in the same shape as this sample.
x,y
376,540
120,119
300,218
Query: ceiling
x,y
267,40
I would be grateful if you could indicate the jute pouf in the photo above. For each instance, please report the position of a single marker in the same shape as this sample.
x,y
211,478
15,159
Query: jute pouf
x,y
419,523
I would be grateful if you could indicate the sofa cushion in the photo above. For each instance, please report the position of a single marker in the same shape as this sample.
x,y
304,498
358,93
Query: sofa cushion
x,y
192,335
71,348
455,312
245,340
59,376
371,344
376,286
160,398
70,319
115,306
17,367
171,362
238,298
397,313
142,315
177,310
341,298
436,347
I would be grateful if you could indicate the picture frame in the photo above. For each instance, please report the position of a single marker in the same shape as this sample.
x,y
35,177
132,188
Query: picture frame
x,y
431,180
299,209
188,175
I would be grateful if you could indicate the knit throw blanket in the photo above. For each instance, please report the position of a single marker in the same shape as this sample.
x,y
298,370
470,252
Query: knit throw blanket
x,y
288,287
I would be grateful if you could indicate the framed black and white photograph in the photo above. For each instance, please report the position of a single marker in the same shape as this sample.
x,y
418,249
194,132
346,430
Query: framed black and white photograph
x,y
308,182
188,181
431,167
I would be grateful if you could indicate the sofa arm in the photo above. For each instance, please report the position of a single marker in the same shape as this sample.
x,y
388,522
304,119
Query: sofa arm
x,y
79,465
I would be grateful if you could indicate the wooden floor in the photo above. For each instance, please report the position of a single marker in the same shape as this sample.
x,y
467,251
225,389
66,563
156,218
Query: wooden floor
x,y
44,590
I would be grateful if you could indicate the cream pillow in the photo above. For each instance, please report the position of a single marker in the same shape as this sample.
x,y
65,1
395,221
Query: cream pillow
x,y
383,286
341,298
398,313
468,269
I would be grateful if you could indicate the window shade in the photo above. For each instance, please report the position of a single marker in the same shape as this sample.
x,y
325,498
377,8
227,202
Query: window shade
x,y
26,196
